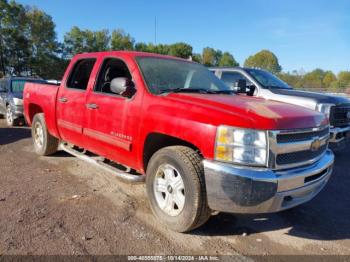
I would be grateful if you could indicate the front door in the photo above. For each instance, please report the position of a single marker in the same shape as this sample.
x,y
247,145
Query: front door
x,y
106,129
71,102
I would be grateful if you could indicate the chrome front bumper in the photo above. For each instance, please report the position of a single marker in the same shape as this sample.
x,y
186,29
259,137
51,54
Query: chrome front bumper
x,y
17,111
237,189
339,137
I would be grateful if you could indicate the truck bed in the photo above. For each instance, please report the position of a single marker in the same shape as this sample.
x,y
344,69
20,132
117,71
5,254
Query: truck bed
x,y
43,96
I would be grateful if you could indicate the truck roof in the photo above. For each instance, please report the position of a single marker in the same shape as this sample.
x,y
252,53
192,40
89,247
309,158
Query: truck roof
x,y
228,68
128,53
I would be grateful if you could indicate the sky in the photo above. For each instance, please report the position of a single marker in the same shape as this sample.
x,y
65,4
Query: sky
x,y
304,34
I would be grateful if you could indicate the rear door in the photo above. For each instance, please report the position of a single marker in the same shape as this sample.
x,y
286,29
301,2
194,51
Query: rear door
x,y
71,101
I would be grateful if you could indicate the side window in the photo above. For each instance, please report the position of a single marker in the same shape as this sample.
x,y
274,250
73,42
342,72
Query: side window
x,y
232,77
17,85
111,68
2,85
80,75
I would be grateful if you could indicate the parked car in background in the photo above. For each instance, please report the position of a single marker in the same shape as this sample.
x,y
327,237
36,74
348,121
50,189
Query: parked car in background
x,y
260,83
11,98
174,124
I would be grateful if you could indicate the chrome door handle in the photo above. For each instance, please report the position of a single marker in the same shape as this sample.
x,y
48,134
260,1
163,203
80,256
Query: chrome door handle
x,y
63,99
92,106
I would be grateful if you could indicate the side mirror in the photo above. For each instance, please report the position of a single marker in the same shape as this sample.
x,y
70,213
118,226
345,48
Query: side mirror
x,y
123,86
240,86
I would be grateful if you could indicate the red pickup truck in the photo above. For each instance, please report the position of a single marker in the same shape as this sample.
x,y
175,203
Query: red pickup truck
x,y
175,125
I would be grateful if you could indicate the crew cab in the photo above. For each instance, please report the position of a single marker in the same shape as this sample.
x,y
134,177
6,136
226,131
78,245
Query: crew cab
x,y
173,124
11,98
260,83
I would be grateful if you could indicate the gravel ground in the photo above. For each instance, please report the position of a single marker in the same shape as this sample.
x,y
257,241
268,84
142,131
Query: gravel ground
x,y
60,205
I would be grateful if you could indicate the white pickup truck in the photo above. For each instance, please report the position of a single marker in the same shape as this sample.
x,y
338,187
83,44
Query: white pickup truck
x,y
260,83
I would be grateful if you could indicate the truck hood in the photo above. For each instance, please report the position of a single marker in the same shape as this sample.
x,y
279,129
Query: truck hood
x,y
243,111
316,98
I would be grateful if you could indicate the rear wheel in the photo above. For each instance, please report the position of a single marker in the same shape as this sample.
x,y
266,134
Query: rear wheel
x,y
176,188
44,143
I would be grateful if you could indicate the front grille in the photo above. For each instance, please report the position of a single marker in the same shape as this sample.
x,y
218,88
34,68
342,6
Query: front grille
x,y
294,148
297,137
339,115
298,157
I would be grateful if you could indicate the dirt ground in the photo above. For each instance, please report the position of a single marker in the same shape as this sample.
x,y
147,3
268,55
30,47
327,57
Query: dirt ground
x,y
60,205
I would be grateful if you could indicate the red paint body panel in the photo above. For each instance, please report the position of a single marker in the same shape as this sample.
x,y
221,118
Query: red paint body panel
x,y
119,127
44,97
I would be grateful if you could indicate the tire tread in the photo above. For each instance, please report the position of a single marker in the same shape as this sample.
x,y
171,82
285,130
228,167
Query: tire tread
x,y
51,143
191,157
192,162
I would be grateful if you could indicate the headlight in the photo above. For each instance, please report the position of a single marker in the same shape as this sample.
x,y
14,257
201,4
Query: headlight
x,y
325,109
17,101
241,146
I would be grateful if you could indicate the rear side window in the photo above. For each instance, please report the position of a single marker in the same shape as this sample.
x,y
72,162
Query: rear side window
x,y
17,86
80,75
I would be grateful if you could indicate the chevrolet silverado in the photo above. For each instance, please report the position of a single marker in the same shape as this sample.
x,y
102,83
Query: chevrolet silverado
x,y
173,124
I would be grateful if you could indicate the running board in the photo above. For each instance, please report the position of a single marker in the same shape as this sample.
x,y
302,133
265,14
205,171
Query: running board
x,y
123,175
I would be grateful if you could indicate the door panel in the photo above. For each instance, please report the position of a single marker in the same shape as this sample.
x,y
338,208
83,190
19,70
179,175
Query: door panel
x,y
107,115
70,114
106,125
71,102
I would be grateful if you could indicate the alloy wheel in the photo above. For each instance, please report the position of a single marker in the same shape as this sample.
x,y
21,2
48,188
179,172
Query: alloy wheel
x,y
169,190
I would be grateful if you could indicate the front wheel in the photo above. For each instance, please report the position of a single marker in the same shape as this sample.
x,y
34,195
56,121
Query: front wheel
x,y
44,143
176,188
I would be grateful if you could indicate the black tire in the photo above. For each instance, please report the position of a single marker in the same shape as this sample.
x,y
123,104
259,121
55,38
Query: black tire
x,y
187,162
49,143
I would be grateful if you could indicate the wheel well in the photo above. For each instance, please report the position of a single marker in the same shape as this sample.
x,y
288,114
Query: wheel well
x,y
33,109
156,141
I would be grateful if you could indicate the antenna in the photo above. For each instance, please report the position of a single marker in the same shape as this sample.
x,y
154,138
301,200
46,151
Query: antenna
x,y
155,30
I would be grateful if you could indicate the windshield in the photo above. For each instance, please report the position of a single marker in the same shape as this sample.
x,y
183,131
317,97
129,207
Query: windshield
x,y
171,75
17,85
267,79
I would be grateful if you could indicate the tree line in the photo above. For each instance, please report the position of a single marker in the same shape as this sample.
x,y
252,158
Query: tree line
x,y
318,79
29,46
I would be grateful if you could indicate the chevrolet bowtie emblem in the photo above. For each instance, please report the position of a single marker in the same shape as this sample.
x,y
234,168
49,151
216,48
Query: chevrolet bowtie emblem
x,y
315,145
